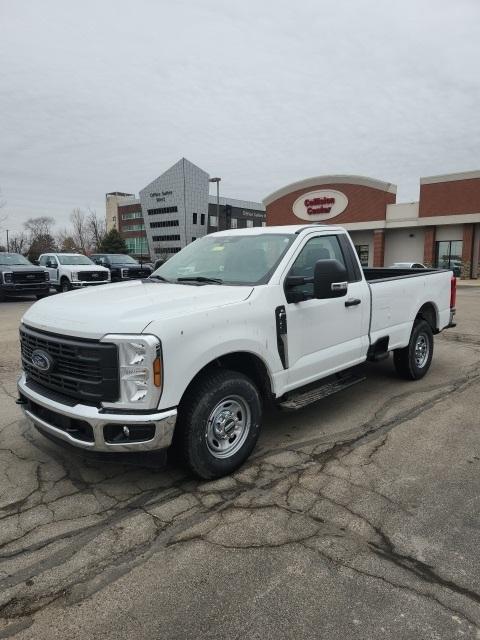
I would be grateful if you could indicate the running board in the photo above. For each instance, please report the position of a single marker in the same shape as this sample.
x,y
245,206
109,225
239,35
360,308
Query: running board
x,y
300,399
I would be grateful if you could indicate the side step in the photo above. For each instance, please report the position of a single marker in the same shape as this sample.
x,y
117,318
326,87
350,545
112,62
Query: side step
x,y
300,399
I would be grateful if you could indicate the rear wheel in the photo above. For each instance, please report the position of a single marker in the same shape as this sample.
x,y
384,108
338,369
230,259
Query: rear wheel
x,y
65,285
219,424
413,362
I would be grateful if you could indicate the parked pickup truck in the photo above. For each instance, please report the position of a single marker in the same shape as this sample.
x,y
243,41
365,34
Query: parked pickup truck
x,y
73,271
121,266
19,277
236,319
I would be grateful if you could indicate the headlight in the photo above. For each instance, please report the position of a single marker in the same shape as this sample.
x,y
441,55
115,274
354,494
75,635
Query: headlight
x,y
74,275
124,273
140,371
8,277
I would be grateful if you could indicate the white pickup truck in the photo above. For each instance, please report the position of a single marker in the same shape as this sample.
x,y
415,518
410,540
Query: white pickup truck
x,y
238,318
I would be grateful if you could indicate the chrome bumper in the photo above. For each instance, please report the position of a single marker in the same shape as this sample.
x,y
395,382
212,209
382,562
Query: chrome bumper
x,y
163,421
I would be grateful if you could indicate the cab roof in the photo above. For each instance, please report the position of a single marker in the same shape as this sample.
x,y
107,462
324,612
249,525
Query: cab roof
x,y
287,229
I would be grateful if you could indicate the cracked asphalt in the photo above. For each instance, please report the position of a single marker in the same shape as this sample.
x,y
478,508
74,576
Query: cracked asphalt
x,y
355,518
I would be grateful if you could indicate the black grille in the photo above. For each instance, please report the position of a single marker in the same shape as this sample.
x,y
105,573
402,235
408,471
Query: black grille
x,y
29,277
86,370
136,273
93,276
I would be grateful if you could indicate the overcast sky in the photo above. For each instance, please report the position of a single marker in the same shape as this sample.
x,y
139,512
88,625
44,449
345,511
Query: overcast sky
x,y
105,95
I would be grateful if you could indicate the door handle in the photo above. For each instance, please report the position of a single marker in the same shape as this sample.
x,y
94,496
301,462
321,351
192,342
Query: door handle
x,y
352,302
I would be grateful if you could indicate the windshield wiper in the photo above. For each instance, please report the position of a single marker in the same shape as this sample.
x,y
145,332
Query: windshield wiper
x,y
200,279
161,278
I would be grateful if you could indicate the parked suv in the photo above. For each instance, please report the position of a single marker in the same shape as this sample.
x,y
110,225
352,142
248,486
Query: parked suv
x,y
19,277
73,271
122,267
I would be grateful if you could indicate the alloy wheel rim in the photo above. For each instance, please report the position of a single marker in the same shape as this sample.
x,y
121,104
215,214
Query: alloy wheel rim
x,y
422,350
228,427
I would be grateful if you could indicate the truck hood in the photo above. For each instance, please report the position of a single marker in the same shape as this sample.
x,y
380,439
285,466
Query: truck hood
x,y
83,267
23,267
126,307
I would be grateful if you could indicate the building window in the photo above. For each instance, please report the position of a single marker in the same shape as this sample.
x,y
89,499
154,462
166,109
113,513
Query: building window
x,y
264,224
137,246
153,212
167,237
249,223
133,227
162,250
193,239
202,218
213,221
164,223
131,216
362,252
194,218
234,223
449,256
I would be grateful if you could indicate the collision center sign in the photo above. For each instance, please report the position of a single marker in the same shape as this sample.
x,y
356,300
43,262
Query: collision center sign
x,y
320,205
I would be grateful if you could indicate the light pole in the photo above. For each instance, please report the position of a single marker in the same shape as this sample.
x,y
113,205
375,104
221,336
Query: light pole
x,y
8,248
217,180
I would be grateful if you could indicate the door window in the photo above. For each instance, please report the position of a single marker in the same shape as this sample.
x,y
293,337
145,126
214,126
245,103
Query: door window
x,y
319,248
449,255
362,252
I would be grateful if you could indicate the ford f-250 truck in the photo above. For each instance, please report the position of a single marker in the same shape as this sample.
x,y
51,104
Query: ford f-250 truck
x,y
190,355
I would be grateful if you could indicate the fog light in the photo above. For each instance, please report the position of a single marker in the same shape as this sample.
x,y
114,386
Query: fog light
x,y
125,434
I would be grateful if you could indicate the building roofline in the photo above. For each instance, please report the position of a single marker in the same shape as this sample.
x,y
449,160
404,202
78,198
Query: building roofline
x,y
333,179
451,177
236,202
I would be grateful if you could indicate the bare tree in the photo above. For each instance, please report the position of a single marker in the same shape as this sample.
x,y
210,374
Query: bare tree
x,y
19,243
3,217
80,233
41,226
97,229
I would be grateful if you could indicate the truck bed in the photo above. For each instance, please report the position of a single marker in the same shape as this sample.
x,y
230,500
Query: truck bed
x,y
396,295
387,273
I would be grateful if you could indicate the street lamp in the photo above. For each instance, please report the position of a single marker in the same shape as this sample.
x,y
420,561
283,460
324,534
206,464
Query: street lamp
x,y
217,180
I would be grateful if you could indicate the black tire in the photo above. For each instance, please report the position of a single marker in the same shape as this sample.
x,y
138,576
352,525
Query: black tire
x,y
2,296
65,285
220,395
413,362
40,296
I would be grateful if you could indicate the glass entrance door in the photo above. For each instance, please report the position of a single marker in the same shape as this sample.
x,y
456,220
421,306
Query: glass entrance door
x,y
449,255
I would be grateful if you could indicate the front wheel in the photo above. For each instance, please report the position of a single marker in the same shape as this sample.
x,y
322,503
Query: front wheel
x,y
413,362
219,424
65,285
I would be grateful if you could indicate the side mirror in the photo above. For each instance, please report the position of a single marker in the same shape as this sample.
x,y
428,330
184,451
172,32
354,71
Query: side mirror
x,y
330,279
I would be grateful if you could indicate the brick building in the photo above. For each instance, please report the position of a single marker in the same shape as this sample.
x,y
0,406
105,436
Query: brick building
x,y
442,229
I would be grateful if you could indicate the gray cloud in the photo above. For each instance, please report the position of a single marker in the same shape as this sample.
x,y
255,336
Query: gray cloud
x,y
101,96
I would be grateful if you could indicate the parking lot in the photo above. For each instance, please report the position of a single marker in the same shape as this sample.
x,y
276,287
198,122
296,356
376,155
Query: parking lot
x,y
355,518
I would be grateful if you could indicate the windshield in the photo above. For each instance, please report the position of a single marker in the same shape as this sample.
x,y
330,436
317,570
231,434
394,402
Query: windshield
x,y
8,259
235,259
74,260
122,259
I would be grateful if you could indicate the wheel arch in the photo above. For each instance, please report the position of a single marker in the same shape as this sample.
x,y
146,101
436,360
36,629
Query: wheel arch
x,y
246,362
429,312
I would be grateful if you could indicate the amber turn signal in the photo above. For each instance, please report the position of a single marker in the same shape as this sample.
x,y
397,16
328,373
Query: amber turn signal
x,y
157,372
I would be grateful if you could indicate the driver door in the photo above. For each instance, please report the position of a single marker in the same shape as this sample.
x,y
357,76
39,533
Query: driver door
x,y
324,336
51,265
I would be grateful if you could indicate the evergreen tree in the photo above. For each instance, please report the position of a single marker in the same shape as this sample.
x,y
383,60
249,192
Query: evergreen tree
x,y
113,243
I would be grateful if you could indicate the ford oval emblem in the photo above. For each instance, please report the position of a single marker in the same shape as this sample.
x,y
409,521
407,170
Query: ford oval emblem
x,y
41,360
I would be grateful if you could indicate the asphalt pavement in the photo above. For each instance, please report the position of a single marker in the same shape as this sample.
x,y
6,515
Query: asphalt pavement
x,y
356,518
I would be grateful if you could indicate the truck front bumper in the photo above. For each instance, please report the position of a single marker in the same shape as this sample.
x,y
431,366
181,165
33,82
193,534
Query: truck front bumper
x,y
88,427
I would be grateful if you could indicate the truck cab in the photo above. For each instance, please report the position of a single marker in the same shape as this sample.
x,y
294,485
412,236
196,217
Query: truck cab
x,y
121,266
73,271
19,277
